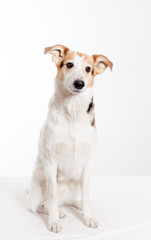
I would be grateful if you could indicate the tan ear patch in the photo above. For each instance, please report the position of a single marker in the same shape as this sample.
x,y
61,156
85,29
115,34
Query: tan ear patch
x,y
58,52
60,48
101,63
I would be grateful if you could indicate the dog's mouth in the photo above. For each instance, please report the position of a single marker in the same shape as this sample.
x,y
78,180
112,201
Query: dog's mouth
x,y
74,91
77,91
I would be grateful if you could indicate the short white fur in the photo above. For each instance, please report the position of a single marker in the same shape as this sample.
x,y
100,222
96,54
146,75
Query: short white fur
x,y
61,172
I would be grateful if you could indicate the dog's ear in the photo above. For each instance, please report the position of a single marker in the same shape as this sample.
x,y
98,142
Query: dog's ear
x,y
58,52
101,63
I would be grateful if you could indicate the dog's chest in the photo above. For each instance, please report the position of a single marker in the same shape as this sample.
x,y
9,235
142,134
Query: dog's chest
x,y
73,144
68,135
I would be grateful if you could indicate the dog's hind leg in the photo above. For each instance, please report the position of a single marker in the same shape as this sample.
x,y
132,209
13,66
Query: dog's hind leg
x,y
37,187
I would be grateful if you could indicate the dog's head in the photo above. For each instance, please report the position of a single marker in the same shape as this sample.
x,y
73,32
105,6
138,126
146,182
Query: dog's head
x,y
77,70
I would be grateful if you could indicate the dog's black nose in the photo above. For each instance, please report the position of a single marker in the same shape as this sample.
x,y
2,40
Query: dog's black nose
x,y
79,84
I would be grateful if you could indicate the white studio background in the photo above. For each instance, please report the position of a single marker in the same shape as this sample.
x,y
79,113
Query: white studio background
x,y
120,30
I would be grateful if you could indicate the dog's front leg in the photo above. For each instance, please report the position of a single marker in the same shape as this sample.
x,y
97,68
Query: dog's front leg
x,y
51,182
88,218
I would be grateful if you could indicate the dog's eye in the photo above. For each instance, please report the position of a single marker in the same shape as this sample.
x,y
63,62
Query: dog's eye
x,y
88,69
69,65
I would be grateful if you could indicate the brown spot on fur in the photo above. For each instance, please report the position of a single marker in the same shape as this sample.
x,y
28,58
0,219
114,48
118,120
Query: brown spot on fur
x,y
93,122
90,111
61,65
91,105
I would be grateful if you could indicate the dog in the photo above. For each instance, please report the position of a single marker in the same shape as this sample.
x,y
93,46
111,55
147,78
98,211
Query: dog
x,y
61,172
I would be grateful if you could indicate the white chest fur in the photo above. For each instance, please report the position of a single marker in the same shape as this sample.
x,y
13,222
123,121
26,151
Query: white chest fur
x,y
68,136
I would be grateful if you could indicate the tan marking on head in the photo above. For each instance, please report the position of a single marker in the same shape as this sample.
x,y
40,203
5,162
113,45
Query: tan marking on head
x,y
61,55
61,70
87,58
69,56
90,61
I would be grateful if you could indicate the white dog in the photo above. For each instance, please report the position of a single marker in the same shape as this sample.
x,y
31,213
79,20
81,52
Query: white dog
x,y
61,173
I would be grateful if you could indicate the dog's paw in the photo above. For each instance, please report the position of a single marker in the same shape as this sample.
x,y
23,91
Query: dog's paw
x,y
61,214
91,222
55,227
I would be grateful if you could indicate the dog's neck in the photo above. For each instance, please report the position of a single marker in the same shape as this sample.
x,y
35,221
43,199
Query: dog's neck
x,y
73,105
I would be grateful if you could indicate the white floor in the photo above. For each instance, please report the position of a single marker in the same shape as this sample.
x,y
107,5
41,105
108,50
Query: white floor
x,y
121,204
